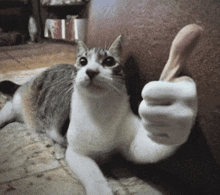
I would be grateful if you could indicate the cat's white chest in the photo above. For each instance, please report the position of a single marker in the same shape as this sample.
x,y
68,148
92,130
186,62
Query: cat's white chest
x,y
95,128
88,137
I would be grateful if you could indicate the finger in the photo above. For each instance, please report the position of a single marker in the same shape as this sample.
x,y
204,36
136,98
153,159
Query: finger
x,y
168,133
160,92
156,114
156,128
160,134
189,91
165,114
153,113
161,139
181,48
166,140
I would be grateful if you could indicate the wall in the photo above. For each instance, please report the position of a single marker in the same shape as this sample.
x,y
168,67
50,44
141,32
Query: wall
x,y
148,28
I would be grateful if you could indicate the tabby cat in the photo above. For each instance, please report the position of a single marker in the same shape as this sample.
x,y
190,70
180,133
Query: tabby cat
x,y
91,100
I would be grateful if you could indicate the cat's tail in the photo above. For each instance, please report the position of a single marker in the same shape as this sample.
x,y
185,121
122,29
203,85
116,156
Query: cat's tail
x,y
8,88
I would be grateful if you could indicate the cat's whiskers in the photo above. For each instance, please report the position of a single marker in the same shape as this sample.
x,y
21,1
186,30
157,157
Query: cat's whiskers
x,y
70,89
117,83
66,91
117,89
115,78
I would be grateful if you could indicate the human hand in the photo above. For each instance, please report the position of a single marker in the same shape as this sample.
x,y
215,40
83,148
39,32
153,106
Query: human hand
x,y
168,110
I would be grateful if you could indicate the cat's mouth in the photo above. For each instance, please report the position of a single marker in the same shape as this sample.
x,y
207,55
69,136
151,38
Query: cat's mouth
x,y
93,84
93,87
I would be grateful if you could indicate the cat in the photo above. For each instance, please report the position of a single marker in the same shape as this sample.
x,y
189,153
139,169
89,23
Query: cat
x,y
86,108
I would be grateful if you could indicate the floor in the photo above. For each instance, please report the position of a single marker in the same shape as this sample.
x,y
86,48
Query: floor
x,y
26,57
28,164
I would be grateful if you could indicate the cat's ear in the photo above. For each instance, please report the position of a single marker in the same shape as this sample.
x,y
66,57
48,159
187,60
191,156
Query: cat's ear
x,y
116,48
81,47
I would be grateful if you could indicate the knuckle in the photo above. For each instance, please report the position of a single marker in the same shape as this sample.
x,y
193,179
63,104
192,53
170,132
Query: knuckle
x,y
184,116
143,110
149,88
188,90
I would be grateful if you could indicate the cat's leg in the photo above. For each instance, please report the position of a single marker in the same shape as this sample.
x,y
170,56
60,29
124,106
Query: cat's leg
x,y
54,134
168,111
60,142
88,172
143,150
7,114
12,111
58,128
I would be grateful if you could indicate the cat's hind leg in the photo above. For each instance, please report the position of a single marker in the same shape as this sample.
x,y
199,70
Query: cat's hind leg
x,y
7,114
12,111
60,142
54,134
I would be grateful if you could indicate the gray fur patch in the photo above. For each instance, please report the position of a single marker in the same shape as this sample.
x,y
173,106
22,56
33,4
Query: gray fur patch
x,y
51,96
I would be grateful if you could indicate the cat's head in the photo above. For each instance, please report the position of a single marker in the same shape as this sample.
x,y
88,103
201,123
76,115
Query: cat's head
x,y
99,70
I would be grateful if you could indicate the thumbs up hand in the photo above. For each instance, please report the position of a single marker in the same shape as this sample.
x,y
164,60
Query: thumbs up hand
x,y
168,110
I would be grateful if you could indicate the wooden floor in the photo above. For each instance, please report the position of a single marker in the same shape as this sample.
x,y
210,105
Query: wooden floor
x,y
26,57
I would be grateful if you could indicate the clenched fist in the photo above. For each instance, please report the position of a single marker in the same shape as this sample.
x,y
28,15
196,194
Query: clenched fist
x,y
168,110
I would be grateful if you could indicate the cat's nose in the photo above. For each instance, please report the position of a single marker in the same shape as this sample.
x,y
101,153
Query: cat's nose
x,y
92,73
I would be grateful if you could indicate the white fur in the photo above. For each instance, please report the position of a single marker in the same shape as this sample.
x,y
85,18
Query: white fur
x,y
12,111
101,124
7,114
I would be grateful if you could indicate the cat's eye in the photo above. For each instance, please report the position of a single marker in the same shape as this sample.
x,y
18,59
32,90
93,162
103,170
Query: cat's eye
x,y
109,61
83,61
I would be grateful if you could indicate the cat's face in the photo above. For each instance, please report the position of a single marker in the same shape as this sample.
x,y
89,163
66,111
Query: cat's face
x,y
99,70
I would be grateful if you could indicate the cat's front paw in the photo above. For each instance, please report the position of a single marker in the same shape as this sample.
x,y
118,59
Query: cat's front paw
x,y
168,110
